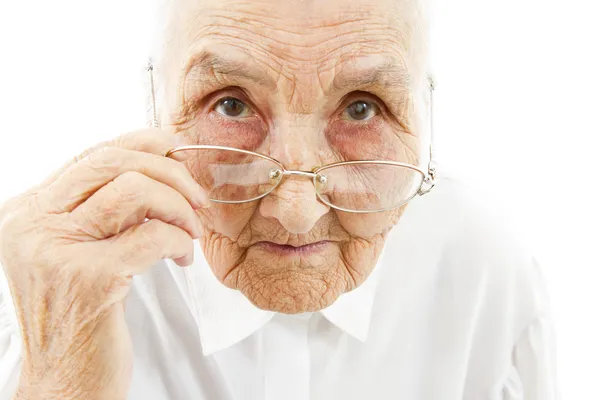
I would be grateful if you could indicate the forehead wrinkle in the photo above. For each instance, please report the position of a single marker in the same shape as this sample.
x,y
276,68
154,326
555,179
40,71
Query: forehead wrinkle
x,y
176,16
207,63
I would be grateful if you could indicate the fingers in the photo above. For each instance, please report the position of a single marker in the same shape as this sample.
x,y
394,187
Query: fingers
x,y
84,178
141,246
113,187
129,200
185,261
151,140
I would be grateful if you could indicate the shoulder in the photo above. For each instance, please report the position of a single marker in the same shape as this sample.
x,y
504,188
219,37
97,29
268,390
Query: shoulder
x,y
475,251
470,225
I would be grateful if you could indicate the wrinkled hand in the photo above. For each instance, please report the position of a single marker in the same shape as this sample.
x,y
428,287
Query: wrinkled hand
x,y
70,248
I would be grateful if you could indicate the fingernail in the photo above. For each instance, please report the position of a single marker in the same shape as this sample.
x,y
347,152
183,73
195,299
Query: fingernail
x,y
179,141
202,199
202,206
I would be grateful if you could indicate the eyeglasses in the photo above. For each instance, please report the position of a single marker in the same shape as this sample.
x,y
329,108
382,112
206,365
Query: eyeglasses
x,y
234,176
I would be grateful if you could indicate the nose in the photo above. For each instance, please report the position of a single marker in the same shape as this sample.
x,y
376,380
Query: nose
x,y
294,204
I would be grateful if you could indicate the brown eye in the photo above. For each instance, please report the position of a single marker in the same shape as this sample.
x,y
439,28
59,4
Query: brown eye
x,y
360,111
232,107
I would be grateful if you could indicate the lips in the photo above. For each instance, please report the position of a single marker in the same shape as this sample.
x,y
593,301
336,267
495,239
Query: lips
x,y
286,249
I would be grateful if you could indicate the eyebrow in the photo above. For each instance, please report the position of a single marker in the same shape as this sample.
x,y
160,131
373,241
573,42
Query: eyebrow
x,y
208,63
386,75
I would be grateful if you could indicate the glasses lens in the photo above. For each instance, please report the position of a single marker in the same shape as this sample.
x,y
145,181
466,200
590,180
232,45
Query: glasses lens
x,y
233,176
368,186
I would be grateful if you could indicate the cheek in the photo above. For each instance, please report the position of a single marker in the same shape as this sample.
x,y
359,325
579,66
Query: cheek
x,y
374,140
228,220
355,141
224,236
369,225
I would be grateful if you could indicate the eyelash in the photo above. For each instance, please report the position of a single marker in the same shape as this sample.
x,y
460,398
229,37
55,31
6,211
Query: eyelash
x,y
377,109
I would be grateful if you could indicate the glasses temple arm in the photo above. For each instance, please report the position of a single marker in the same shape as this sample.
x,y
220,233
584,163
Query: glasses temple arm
x,y
154,116
430,179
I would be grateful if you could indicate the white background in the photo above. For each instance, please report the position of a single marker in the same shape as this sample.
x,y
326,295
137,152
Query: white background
x,y
517,110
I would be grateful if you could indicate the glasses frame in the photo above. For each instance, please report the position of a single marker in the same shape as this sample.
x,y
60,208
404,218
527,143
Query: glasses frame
x,y
313,174
428,176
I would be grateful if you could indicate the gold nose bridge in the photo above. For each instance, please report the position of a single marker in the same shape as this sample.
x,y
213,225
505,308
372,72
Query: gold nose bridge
x,y
321,179
307,174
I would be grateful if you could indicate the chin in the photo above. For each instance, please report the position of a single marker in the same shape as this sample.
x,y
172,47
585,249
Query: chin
x,y
291,282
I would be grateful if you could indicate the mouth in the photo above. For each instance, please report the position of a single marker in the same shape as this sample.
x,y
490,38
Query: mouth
x,y
286,249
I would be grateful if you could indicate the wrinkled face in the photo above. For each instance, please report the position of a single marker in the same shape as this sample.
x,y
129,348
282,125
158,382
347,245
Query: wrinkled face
x,y
307,83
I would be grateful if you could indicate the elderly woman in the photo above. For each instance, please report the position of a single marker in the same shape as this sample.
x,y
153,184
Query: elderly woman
x,y
291,137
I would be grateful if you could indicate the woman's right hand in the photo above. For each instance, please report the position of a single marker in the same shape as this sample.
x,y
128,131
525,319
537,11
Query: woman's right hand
x,y
70,248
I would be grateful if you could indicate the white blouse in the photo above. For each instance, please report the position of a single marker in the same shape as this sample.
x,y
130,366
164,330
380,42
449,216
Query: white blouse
x,y
455,309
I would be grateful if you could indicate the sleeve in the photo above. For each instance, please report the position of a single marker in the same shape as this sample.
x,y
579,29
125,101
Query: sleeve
x,y
533,376
10,343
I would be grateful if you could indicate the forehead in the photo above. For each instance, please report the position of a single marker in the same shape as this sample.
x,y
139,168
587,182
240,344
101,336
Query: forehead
x,y
296,35
303,14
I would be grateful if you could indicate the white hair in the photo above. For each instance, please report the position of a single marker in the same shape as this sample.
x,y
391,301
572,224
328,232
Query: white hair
x,y
417,28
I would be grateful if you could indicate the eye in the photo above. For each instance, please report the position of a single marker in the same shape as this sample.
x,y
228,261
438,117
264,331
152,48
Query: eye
x,y
360,111
233,108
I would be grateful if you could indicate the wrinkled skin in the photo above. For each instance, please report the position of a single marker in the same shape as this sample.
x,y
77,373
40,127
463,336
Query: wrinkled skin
x,y
70,246
307,60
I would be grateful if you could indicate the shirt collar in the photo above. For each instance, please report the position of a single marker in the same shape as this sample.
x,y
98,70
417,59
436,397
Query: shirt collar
x,y
226,317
